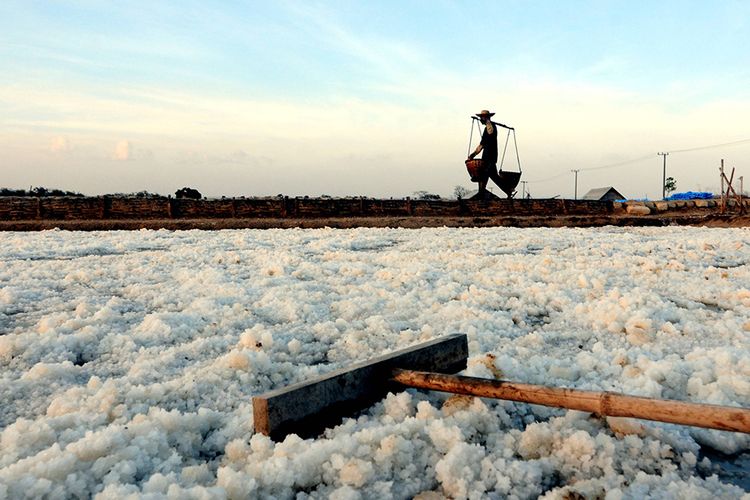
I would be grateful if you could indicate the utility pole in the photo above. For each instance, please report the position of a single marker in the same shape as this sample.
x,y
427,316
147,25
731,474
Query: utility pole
x,y
664,176
721,174
575,189
523,189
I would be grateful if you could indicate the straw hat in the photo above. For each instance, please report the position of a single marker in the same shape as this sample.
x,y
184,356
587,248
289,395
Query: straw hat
x,y
486,113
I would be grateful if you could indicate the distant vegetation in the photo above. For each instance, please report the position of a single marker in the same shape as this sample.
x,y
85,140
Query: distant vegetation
x,y
185,192
670,185
139,194
424,195
189,193
460,192
37,192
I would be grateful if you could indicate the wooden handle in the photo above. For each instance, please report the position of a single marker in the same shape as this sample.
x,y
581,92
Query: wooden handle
x,y
726,418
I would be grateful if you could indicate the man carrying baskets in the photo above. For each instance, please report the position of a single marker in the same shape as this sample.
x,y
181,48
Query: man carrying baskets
x,y
488,148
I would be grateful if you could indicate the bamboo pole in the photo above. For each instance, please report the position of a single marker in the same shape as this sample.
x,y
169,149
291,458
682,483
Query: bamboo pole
x,y
612,404
721,176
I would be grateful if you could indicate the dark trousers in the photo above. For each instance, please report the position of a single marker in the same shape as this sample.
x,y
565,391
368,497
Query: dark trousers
x,y
489,172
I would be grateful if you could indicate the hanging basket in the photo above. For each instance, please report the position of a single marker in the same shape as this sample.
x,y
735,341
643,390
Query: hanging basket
x,y
508,181
475,167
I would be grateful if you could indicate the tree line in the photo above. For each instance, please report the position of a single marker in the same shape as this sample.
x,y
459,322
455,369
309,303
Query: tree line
x,y
41,192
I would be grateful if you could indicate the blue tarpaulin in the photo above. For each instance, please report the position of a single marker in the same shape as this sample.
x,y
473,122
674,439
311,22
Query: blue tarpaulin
x,y
690,195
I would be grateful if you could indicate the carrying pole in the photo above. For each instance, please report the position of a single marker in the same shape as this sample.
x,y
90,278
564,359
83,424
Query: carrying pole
x,y
495,123
726,418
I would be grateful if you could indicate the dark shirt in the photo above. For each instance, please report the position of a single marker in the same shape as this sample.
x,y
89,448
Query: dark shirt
x,y
489,146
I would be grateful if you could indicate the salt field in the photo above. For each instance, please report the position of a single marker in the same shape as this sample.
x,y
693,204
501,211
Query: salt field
x,y
129,360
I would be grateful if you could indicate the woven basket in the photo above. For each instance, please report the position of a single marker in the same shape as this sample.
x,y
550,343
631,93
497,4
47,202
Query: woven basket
x,y
508,181
475,168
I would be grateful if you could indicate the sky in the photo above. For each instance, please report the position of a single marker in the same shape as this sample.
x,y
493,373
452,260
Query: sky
x,y
246,98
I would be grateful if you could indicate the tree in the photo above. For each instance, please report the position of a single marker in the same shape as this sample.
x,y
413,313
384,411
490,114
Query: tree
x,y
670,184
13,192
187,192
461,192
424,195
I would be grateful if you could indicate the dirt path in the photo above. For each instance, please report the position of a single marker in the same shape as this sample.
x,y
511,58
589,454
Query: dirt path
x,y
681,218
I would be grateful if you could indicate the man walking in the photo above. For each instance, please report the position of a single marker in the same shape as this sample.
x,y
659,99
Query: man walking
x,y
488,148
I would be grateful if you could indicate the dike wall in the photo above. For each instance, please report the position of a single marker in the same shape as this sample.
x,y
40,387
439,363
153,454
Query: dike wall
x,y
110,208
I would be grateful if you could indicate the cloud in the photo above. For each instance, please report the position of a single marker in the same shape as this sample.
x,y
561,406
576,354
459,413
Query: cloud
x,y
333,141
123,151
59,144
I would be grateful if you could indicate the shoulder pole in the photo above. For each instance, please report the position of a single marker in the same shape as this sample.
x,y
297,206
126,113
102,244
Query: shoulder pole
x,y
495,123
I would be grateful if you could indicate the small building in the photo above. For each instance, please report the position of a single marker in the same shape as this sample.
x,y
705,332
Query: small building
x,y
603,194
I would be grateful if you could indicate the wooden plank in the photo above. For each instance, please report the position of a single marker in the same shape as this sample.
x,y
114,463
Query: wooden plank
x,y
309,407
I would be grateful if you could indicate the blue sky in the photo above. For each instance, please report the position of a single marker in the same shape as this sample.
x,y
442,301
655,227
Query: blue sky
x,y
368,98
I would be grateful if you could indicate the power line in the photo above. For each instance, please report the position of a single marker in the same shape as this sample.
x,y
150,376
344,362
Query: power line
x,y
619,164
546,179
611,165
712,146
645,157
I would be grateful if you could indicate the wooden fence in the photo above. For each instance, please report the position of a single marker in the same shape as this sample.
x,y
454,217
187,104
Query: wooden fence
x,y
103,208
